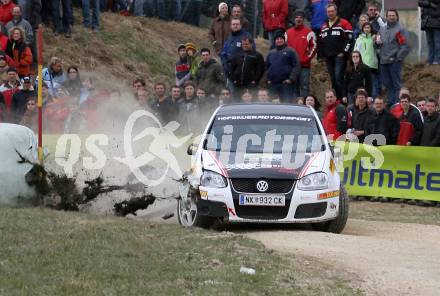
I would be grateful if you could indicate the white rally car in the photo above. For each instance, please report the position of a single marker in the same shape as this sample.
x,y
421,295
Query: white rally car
x,y
263,163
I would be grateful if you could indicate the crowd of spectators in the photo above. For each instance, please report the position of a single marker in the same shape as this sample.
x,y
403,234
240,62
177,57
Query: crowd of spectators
x,y
233,70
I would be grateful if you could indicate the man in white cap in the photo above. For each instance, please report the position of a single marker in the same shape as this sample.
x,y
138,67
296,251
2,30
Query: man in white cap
x,y
220,28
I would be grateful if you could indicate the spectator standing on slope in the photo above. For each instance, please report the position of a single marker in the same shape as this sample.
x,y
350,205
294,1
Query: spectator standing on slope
x,y
382,122
316,14
182,68
357,76
220,28
431,25
30,116
237,12
8,89
224,97
193,59
210,75
365,45
6,11
294,6
377,22
162,105
302,39
313,102
374,18
360,116
73,83
53,75
4,66
188,109
175,93
263,96
19,21
233,47
335,116
19,99
31,11
92,5
350,9
431,127
283,67
393,42
421,105
411,125
247,68
62,24
357,29
274,17
336,42
19,51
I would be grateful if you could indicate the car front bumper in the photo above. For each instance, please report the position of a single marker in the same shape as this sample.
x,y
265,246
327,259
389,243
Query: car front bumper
x,y
304,206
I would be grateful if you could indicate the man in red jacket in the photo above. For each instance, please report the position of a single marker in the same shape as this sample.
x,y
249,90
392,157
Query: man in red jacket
x,y
6,11
303,41
274,17
335,116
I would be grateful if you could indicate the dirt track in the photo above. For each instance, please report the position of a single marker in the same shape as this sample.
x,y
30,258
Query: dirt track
x,y
391,258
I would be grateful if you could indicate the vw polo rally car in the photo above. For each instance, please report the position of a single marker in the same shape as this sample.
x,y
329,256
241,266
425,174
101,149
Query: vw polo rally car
x,y
263,163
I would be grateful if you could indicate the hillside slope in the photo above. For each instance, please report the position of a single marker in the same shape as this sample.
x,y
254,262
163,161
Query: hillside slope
x,y
131,47
126,48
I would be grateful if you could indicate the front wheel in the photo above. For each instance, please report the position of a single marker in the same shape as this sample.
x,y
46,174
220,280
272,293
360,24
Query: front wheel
x,y
187,213
337,225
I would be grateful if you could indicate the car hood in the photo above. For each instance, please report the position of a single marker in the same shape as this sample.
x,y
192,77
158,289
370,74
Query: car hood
x,y
262,165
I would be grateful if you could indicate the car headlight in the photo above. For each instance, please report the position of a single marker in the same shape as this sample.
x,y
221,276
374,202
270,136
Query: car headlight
x,y
213,179
316,181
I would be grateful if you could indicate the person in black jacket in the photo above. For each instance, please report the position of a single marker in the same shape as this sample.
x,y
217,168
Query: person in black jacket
x,y
335,45
357,75
350,9
283,67
431,25
431,128
19,99
382,122
360,115
247,68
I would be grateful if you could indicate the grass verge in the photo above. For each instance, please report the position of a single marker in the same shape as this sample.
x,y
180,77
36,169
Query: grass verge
x,y
392,212
44,252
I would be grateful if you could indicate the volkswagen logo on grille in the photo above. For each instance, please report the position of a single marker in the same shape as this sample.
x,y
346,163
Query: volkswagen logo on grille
x,y
262,186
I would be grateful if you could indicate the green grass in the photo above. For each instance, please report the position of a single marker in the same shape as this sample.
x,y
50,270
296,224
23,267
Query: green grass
x,y
392,212
44,252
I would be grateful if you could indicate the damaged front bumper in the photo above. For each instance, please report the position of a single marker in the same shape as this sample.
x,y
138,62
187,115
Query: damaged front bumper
x,y
303,207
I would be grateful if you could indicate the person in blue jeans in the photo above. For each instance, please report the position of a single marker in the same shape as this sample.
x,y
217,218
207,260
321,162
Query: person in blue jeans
x,y
431,25
393,43
335,46
64,24
93,5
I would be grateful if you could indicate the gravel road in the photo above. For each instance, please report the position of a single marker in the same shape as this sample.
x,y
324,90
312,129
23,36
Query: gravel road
x,y
390,258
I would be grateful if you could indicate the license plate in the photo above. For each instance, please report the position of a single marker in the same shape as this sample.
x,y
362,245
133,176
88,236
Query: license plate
x,y
262,200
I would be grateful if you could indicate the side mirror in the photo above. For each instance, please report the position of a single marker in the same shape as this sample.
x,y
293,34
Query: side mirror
x,y
192,148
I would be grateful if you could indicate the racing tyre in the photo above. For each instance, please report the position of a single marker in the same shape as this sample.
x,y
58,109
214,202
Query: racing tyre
x,y
188,216
338,224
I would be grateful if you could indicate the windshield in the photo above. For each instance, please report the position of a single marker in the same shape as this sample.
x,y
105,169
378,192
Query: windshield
x,y
264,134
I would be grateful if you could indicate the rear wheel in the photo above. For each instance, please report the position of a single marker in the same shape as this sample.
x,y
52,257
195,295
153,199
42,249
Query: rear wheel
x,y
187,213
337,225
